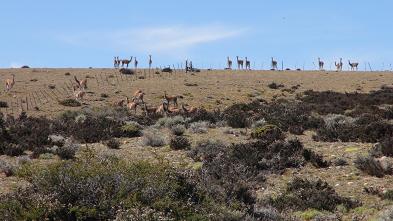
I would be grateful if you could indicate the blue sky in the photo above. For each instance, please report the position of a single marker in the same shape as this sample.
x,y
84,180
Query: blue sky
x,y
71,33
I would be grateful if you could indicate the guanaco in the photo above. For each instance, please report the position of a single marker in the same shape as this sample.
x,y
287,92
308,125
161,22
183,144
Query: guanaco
x,y
274,64
139,95
163,108
116,62
191,110
354,66
149,110
125,62
135,63
240,63
321,64
174,110
339,65
248,64
82,84
9,83
78,93
132,105
119,103
172,98
229,62
150,61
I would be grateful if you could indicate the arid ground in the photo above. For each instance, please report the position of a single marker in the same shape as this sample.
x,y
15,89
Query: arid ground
x,y
37,91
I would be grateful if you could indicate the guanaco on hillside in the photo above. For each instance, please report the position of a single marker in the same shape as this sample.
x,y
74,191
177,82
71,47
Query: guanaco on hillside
x,y
9,83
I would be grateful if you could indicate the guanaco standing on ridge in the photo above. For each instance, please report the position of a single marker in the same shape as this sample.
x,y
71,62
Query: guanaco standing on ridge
x,y
125,62
248,64
229,63
116,62
172,98
240,63
135,63
150,61
9,83
82,84
321,64
339,65
354,66
274,64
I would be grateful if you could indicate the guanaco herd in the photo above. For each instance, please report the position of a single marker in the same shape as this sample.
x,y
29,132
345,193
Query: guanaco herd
x,y
164,108
274,63
117,62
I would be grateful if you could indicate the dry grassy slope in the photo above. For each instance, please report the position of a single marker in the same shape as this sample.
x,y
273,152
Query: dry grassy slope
x,y
214,88
227,87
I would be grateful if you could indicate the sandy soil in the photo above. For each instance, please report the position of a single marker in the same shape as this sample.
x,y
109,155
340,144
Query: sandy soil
x,y
210,89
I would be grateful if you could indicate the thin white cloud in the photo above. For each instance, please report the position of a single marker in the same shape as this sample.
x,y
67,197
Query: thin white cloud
x,y
15,65
170,39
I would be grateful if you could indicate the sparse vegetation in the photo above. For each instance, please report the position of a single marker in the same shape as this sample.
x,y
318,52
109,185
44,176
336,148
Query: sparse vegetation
x,y
179,143
112,143
70,103
200,127
153,138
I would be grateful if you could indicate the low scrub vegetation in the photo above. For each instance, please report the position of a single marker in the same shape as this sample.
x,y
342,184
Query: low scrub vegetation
x,y
302,194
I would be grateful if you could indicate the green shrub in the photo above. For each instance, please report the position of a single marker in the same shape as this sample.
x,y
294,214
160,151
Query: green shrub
x,y
371,166
105,187
112,143
268,132
153,138
70,103
178,130
179,143
6,168
303,194
68,150
131,129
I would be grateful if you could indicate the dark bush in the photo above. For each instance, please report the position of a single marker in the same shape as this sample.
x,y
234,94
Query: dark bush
x,y
103,95
275,86
267,132
112,143
70,103
67,151
3,104
269,156
384,148
340,162
92,126
6,168
370,165
329,102
204,115
127,71
30,132
302,194
131,129
179,143
236,115
13,150
315,159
